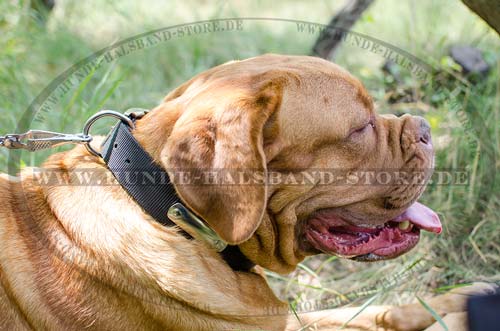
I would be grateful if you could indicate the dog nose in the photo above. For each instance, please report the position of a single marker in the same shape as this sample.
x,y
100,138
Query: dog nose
x,y
424,131
415,130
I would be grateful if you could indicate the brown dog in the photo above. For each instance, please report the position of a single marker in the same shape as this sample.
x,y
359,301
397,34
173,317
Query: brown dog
x,y
76,257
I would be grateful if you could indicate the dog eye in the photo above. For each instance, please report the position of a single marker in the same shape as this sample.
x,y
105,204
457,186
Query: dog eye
x,y
369,125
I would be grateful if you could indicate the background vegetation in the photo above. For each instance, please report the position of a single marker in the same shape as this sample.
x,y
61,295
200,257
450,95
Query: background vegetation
x,y
33,52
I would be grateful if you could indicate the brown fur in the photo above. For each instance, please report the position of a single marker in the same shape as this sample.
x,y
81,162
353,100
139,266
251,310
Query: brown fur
x,y
87,257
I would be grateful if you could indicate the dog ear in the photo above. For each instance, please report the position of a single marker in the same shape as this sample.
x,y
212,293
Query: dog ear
x,y
221,133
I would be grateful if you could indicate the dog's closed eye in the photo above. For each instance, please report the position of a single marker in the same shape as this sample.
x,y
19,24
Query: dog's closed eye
x,y
361,130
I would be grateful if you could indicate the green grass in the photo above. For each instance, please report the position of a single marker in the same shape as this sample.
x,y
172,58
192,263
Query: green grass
x,y
33,54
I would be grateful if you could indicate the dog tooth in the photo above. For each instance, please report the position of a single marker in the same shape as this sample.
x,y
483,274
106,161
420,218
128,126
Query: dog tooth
x,y
405,225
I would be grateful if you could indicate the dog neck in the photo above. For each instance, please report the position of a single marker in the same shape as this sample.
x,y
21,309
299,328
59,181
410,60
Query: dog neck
x,y
122,152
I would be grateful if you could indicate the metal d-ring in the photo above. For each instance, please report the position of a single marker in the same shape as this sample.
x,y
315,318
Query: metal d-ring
x,y
104,113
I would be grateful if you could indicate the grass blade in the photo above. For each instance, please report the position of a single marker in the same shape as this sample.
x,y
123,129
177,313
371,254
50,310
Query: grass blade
x,y
447,288
363,307
308,270
433,313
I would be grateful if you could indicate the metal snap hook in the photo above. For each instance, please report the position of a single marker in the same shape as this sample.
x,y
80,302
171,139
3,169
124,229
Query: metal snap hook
x,y
104,113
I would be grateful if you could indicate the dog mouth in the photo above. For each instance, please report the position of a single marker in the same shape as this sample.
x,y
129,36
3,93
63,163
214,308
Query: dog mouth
x,y
334,235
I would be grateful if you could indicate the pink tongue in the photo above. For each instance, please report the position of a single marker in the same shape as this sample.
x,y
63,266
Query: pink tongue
x,y
422,216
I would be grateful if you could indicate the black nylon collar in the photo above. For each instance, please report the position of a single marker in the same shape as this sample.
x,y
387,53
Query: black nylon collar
x,y
150,185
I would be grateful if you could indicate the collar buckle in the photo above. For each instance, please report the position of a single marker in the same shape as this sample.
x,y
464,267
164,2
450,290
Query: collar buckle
x,y
197,228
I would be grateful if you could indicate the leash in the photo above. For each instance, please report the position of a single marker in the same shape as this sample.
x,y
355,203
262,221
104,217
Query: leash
x,y
35,140
123,155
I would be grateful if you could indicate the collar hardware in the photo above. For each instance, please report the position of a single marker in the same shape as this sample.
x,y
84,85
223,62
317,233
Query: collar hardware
x,y
198,229
101,114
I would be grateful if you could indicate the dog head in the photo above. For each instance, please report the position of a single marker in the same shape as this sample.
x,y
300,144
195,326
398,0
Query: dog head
x,y
286,157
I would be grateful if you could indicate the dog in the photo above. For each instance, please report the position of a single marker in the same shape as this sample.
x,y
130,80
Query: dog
x,y
76,257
